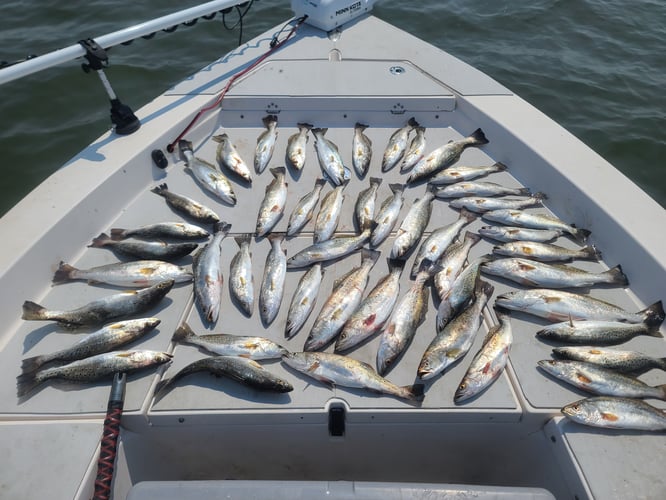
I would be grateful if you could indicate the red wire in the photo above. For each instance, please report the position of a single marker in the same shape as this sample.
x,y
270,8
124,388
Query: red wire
x,y
171,146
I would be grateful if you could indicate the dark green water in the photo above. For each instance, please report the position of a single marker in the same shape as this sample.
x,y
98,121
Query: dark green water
x,y
595,66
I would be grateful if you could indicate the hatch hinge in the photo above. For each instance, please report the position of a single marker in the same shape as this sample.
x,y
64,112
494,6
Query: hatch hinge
x,y
123,118
398,109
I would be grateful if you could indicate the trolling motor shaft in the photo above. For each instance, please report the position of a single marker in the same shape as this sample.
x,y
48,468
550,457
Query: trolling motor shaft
x,y
123,118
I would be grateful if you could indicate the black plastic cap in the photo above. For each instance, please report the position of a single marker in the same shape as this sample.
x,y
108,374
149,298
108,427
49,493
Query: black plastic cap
x,y
159,159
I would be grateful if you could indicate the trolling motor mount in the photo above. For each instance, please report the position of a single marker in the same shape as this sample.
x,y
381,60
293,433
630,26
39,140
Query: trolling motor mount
x,y
123,118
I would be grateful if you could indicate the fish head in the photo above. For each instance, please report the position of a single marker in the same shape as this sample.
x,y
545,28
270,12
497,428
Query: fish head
x,y
301,361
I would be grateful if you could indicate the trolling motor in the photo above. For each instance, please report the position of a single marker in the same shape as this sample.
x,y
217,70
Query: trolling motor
x,y
330,14
123,118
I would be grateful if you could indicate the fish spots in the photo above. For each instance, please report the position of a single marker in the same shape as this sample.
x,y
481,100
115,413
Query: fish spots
x,y
305,301
147,271
370,319
582,378
275,208
526,250
486,368
551,300
525,267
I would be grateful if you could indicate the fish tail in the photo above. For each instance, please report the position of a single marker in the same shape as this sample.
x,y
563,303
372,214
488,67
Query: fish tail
x,y
500,167
305,125
219,138
321,131
395,264
320,182
33,311
617,277
268,120
278,171
473,237
369,254
375,181
26,383
241,239
184,145
662,388
64,273
118,233
478,137
415,392
412,122
360,126
526,192
540,196
660,363
275,237
468,215
580,234
29,365
653,317
591,252
483,287
183,333
162,387
101,241
397,188
221,227
161,190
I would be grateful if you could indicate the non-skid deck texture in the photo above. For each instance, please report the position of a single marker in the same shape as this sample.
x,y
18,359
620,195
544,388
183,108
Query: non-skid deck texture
x,y
202,392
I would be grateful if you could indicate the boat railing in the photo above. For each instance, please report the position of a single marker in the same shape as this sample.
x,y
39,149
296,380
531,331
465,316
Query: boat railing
x,y
123,36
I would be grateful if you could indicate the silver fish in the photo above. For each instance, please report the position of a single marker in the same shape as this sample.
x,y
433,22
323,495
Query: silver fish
x,y
482,204
329,158
546,252
535,221
451,263
364,208
146,250
272,284
445,156
453,342
329,214
228,157
208,278
415,152
613,359
343,371
328,250
296,146
413,226
92,369
102,310
440,239
374,310
208,177
275,199
161,230
186,206
224,344
303,300
140,273
512,233
460,293
604,332
451,175
489,361
241,281
245,371
558,305
361,150
304,209
599,380
480,188
408,315
397,145
616,413
539,274
387,216
104,340
266,143
342,302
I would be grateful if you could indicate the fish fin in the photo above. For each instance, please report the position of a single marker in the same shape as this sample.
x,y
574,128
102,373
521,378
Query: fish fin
x,y
500,166
278,171
64,273
580,234
183,333
161,387
483,287
304,125
611,417
526,192
416,391
29,365
184,145
220,137
375,181
369,254
397,188
321,131
617,276
394,264
26,383
117,233
479,137
653,317
33,311
360,126
662,388
341,279
412,122
101,241
243,238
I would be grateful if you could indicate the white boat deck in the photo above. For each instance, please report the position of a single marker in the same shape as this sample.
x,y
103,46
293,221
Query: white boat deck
x,y
208,428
